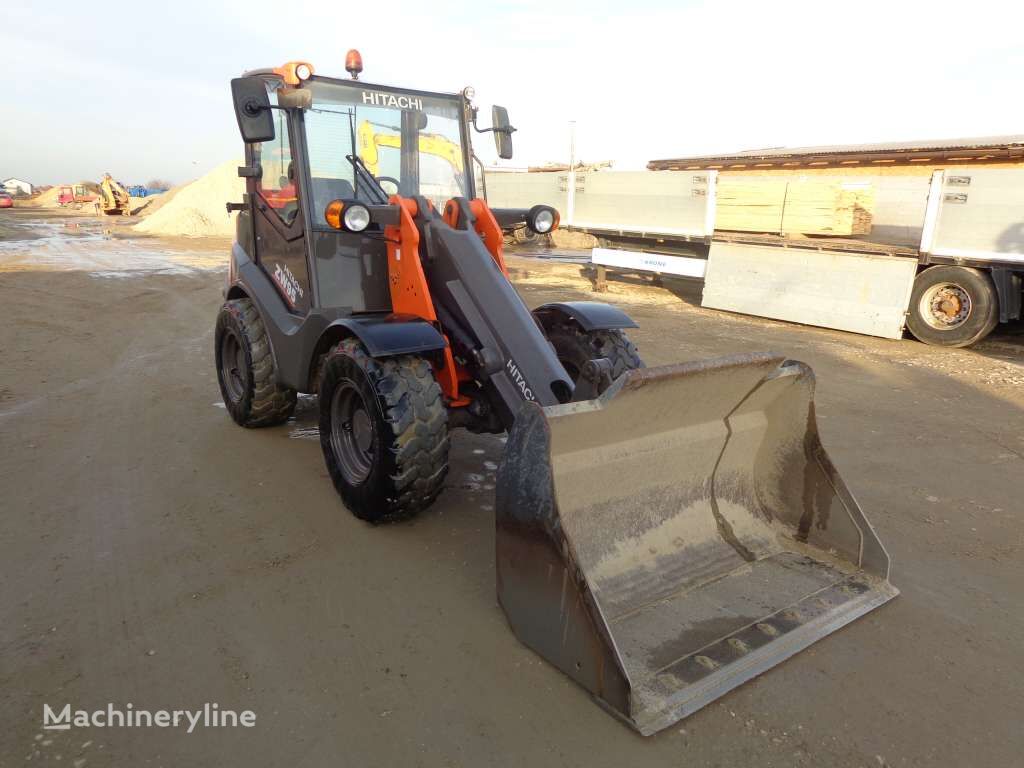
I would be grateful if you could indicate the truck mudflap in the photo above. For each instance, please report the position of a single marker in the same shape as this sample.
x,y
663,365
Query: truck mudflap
x,y
680,534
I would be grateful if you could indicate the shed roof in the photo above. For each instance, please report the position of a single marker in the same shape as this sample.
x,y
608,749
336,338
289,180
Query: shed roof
x,y
984,148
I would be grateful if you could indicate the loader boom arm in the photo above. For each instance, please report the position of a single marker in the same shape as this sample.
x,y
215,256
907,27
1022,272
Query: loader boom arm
x,y
466,290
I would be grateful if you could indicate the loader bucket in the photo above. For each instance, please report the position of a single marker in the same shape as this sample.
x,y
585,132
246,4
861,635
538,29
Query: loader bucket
x,y
680,534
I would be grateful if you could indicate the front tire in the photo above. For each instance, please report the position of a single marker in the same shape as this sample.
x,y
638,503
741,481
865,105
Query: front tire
x,y
383,431
952,306
576,347
245,368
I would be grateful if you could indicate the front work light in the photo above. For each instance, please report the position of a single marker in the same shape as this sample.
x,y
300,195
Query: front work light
x,y
356,217
294,73
348,215
542,219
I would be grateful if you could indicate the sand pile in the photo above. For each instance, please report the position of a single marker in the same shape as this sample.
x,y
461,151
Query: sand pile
x,y
47,199
156,202
142,206
197,209
562,238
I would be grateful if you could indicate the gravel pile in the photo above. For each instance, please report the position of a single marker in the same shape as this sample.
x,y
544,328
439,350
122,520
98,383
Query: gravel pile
x,y
197,209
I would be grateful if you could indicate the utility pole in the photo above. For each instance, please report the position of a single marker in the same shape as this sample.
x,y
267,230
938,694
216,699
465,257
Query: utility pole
x,y
570,201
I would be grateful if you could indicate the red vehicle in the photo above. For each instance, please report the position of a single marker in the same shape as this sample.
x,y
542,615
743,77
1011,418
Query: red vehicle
x,y
74,196
6,201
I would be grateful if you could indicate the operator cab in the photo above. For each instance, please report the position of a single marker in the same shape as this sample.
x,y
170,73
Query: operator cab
x,y
311,140
369,142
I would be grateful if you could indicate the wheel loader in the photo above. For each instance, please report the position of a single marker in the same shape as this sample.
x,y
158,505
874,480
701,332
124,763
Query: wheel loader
x,y
662,534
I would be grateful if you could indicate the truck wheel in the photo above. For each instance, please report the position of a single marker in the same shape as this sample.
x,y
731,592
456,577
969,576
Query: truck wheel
x,y
575,347
952,306
245,368
383,431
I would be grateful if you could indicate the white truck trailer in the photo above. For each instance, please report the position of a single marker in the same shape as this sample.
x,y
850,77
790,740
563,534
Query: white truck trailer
x,y
963,279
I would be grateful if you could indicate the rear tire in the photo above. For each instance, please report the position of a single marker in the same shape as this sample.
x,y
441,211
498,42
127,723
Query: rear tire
x,y
952,306
245,368
575,347
383,431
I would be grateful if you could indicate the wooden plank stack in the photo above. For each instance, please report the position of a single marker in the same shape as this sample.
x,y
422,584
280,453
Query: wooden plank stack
x,y
750,205
794,207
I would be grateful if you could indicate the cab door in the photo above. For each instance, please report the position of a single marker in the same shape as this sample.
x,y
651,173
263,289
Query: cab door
x,y
277,216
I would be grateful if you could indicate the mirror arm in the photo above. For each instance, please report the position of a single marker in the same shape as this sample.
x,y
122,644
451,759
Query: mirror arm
x,y
252,109
510,130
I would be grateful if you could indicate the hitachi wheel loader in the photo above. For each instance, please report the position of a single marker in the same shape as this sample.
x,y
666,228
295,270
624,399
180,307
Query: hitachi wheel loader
x,y
663,534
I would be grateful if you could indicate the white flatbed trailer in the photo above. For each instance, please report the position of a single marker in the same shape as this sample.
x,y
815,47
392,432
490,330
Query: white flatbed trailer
x,y
966,276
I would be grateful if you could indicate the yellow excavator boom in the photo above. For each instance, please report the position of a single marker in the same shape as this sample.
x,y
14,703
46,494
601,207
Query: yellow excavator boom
x,y
430,144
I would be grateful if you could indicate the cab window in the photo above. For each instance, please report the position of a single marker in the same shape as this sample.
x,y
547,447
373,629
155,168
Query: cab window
x,y
277,181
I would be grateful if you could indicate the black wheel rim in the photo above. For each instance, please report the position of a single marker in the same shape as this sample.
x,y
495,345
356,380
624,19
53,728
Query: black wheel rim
x,y
352,432
233,366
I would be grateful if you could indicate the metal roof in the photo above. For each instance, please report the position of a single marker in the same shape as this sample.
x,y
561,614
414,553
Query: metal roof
x,y
978,148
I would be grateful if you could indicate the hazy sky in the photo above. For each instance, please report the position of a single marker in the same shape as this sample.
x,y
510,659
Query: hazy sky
x,y
141,90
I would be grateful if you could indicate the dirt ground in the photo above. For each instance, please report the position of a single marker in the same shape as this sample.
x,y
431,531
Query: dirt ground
x,y
155,553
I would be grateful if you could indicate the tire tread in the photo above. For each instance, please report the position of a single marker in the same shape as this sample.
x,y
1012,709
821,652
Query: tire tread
x,y
415,412
270,404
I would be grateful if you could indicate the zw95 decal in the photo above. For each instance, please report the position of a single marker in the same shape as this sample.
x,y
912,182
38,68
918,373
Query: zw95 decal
x,y
520,382
287,283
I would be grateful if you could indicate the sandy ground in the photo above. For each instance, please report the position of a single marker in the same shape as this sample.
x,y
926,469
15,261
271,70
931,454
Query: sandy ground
x,y
155,553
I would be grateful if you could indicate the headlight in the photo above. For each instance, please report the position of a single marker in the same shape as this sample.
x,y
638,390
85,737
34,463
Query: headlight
x,y
303,72
542,219
543,222
468,92
356,217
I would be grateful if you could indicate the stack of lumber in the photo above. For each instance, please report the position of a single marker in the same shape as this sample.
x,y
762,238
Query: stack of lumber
x,y
800,206
824,208
750,205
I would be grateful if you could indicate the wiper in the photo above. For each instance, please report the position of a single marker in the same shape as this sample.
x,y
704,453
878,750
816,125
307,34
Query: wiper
x,y
362,172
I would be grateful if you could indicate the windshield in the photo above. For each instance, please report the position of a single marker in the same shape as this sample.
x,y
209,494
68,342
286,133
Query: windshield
x,y
405,143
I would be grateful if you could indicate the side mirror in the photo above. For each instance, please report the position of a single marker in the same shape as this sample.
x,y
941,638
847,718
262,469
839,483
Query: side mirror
x,y
252,109
502,132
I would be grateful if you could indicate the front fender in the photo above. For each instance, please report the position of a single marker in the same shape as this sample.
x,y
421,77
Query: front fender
x,y
389,335
588,315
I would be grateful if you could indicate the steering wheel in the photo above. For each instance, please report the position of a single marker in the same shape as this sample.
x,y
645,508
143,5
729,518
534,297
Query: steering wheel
x,y
392,179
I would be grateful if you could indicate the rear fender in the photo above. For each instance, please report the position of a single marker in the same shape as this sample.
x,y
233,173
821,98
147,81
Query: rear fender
x,y
588,315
